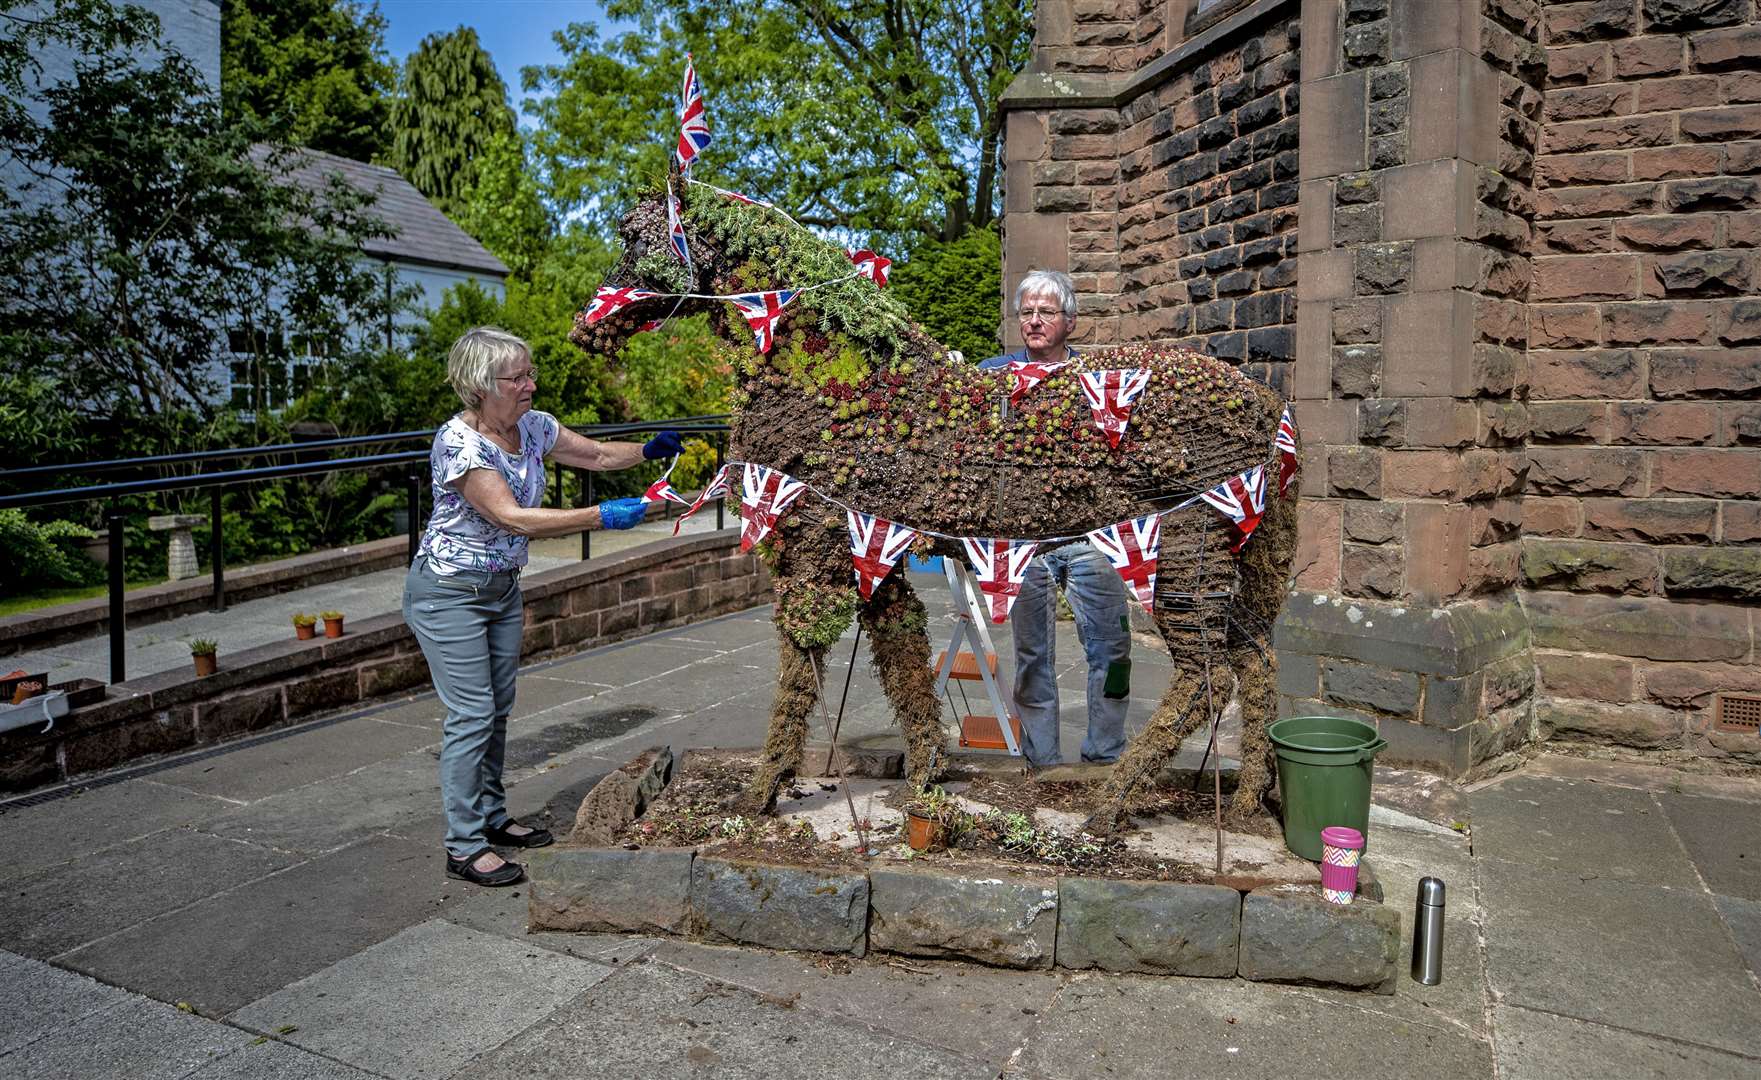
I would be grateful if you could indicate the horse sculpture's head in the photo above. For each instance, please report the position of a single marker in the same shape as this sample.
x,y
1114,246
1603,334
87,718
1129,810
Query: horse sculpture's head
x,y
648,263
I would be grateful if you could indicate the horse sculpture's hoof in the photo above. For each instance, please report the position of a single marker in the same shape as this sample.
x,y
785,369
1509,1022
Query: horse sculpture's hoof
x,y
1106,821
758,799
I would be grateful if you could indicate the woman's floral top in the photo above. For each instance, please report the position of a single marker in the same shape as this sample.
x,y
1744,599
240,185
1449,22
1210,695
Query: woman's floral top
x,y
458,537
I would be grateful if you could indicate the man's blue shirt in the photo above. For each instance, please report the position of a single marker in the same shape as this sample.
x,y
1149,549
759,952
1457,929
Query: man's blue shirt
x,y
1017,356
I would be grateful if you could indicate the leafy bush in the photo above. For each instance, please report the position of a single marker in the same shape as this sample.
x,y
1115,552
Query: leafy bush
x,y
43,555
954,291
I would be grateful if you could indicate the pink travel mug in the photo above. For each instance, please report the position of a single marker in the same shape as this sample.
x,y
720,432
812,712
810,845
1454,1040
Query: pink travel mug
x,y
1341,848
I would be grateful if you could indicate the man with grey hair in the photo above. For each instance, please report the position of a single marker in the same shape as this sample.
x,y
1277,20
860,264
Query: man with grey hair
x,y
1045,308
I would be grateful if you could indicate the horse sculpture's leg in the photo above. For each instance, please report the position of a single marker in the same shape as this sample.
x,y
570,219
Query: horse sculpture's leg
x,y
1181,712
791,713
898,642
1265,574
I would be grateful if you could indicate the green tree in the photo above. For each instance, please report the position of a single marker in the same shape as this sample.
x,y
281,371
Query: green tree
x,y
503,207
312,72
951,289
876,116
451,105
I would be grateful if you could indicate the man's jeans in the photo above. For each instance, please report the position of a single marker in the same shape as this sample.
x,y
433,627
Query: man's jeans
x,y
1099,600
469,626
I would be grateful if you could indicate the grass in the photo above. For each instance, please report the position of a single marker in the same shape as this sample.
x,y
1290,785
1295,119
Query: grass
x,y
13,605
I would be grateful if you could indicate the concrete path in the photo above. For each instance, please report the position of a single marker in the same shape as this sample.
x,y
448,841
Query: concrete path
x,y
277,908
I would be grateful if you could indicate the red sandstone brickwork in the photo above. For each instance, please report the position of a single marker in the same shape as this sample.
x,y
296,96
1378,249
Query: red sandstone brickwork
x,y
1639,524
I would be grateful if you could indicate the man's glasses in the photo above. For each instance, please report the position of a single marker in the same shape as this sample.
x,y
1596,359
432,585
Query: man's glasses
x,y
1028,315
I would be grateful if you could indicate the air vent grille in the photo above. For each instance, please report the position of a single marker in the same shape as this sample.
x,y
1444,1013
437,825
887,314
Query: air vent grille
x,y
1737,712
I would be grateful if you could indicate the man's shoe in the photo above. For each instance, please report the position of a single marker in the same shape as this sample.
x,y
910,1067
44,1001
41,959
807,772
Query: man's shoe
x,y
502,838
465,869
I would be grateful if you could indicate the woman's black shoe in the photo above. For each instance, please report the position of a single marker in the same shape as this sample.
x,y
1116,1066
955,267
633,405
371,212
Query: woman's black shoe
x,y
465,869
502,838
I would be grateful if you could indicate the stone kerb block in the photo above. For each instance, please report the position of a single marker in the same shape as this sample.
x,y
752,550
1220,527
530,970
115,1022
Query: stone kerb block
x,y
1290,934
780,907
1005,922
1154,927
597,890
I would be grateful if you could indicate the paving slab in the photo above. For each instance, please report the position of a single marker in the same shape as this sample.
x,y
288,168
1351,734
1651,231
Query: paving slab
x,y
55,910
1579,828
634,661
37,999
136,1040
569,727
1644,777
330,814
535,694
1541,1046
268,1059
651,1020
1743,917
978,1011
1172,1029
1653,960
96,818
503,912
435,973
320,753
235,948
1723,837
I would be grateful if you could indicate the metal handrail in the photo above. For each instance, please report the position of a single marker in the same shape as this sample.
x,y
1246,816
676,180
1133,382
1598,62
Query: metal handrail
x,y
217,482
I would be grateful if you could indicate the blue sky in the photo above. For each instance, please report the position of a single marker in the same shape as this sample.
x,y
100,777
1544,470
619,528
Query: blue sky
x,y
517,33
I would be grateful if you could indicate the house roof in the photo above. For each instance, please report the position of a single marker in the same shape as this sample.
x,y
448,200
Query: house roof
x,y
420,232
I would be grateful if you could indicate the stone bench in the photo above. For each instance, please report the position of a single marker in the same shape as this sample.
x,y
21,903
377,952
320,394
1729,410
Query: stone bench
x,y
180,556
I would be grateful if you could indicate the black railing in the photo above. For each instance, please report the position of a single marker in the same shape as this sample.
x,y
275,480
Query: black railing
x,y
216,482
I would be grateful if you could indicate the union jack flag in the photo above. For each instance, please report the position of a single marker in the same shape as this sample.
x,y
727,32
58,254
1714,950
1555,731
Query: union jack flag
x,y
875,546
1029,374
1110,396
1285,444
693,124
609,300
762,310
873,267
663,489
718,486
1132,548
675,223
651,324
1241,499
764,495
1001,565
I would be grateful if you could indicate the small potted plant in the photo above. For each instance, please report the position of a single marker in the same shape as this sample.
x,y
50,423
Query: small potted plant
x,y
202,652
332,623
305,626
928,818
25,690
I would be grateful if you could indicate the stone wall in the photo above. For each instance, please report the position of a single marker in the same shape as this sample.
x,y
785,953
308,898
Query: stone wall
x,y
1640,526
647,588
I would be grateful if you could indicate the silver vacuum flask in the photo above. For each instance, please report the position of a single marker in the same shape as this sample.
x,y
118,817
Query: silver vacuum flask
x,y
1427,933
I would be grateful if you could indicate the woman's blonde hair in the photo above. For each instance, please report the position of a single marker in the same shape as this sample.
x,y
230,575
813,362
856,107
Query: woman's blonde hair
x,y
475,359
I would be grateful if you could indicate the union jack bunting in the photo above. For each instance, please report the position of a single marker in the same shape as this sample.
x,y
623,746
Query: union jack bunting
x,y
1110,396
1000,565
1029,374
764,495
1285,443
1132,547
747,199
663,489
1241,499
875,546
693,124
762,310
609,300
675,224
873,267
717,487
651,324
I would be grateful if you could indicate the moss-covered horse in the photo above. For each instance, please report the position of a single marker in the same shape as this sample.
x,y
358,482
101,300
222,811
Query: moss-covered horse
x,y
861,404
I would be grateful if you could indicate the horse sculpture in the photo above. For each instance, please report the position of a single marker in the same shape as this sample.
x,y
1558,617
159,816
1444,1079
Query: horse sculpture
x,y
858,402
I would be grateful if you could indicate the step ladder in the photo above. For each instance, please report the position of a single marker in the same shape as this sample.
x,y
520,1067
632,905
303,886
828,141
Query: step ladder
x,y
959,663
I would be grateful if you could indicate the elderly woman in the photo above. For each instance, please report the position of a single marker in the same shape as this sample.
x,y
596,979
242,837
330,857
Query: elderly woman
x,y
462,595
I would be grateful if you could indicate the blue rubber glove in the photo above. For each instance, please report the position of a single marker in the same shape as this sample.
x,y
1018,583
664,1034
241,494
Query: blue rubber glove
x,y
621,513
665,444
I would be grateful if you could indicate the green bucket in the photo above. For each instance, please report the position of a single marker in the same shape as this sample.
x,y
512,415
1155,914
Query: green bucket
x,y
1324,771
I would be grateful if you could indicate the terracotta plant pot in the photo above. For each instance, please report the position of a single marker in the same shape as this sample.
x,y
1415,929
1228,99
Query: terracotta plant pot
x,y
206,664
923,834
24,691
332,627
306,631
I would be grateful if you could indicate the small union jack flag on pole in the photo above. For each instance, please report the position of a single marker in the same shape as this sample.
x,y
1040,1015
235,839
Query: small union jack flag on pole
x,y
1111,395
764,495
717,487
1029,374
1132,547
608,300
873,267
762,310
693,124
675,223
1000,565
1285,443
1241,499
875,547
